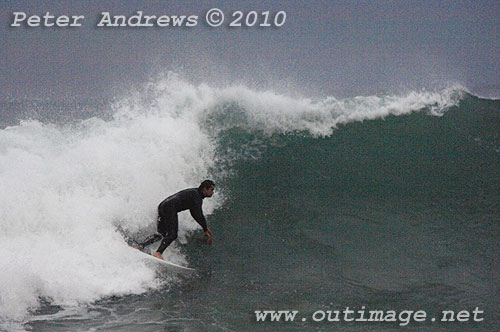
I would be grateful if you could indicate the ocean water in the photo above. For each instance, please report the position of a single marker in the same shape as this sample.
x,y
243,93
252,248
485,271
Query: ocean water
x,y
378,202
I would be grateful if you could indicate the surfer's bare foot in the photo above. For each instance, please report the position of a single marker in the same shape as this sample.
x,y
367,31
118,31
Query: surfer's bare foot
x,y
137,247
158,255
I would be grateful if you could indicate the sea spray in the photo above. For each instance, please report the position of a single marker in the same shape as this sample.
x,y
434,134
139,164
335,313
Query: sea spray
x,y
66,187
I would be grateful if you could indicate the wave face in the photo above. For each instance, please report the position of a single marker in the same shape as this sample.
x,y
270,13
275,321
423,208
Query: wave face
x,y
67,186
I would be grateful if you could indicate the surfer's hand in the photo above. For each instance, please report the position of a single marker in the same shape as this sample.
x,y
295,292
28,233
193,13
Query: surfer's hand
x,y
209,235
157,255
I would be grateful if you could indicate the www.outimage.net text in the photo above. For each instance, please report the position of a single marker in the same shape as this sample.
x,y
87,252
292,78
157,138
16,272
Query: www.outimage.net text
x,y
403,317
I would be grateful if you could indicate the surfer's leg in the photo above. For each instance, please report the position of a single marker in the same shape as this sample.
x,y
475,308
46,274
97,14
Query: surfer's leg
x,y
149,240
162,223
171,228
155,237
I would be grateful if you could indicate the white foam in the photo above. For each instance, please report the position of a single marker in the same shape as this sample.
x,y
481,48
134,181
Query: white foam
x,y
64,188
273,113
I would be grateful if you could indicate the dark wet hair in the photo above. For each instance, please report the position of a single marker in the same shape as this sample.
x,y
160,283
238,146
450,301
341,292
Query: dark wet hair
x,y
206,184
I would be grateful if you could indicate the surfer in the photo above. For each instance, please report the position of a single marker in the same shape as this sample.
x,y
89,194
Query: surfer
x,y
168,224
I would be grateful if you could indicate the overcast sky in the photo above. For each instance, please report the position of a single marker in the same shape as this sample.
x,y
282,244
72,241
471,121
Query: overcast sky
x,y
339,48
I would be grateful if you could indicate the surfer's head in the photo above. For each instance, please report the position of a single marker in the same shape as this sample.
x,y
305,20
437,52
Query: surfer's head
x,y
207,188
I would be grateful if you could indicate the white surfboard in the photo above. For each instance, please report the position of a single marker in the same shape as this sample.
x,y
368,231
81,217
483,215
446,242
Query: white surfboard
x,y
169,265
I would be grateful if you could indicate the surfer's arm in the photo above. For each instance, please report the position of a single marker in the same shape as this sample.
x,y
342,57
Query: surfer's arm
x,y
209,235
197,214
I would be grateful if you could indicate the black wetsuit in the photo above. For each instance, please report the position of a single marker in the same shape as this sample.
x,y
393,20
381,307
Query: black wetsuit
x,y
168,223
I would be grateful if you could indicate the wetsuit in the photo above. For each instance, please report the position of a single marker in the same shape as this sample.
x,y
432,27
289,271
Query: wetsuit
x,y
168,223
